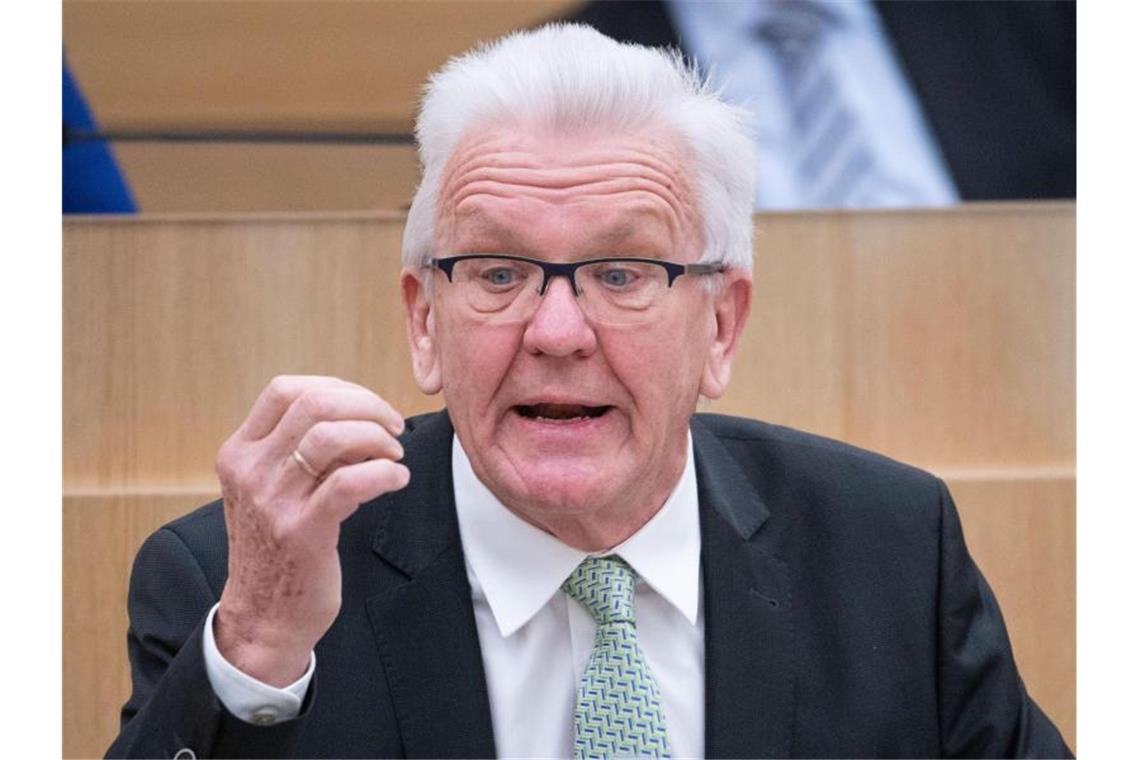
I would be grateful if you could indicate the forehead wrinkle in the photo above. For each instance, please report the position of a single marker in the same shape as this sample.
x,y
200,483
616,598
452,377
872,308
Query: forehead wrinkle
x,y
609,188
477,224
651,197
497,178
506,166
499,157
662,152
480,226
517,150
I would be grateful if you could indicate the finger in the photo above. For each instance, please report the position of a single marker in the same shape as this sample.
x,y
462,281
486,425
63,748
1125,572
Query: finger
x,y
328,444
331,404
276,398
346,488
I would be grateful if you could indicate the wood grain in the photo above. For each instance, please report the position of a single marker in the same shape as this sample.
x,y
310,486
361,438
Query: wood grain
x,y
945,338
317,65
173,327
171,177
101,533
307,64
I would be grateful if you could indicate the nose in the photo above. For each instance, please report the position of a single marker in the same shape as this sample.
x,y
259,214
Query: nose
x,y
558,327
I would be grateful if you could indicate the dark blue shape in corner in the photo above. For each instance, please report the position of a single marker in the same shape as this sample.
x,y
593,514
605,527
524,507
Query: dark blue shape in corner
x,y
92,182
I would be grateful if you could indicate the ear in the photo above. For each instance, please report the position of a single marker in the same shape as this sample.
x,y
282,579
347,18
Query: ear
x,y
420,323
731,305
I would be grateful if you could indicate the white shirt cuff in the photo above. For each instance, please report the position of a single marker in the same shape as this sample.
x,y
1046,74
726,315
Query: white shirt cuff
x,y
246,697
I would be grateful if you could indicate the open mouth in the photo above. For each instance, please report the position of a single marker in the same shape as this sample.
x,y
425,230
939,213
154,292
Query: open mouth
x,y
560,412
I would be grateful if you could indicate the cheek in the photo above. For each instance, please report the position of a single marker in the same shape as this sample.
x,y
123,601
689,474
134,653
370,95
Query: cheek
x,y
474,360
661,368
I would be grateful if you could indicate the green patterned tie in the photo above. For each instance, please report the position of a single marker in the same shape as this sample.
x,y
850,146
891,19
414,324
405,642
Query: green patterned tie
x,y
619,710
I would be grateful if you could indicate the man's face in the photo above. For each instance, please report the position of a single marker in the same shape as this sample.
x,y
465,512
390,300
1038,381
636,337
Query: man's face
x,y
578,427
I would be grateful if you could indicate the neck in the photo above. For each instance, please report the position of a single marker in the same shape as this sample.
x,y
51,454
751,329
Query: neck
x,y
609,525
595,533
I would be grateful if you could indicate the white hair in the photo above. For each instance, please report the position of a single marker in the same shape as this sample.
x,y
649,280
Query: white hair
x,y
563,76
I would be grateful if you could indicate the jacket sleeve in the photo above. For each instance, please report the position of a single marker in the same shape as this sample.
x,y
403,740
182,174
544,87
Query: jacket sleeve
x,y
984,707
172,707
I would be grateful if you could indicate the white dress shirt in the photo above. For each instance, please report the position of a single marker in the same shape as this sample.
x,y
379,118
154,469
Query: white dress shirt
x,y
721,37
535,640
246,697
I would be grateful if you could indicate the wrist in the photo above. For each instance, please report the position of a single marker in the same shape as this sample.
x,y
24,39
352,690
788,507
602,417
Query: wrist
x,y
274,656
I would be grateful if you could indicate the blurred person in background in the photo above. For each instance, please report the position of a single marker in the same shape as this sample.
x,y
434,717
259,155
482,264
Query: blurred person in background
x,y
861,104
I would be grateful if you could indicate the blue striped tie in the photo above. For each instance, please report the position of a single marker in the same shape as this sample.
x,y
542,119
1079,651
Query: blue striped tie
x,y
619,711
834,157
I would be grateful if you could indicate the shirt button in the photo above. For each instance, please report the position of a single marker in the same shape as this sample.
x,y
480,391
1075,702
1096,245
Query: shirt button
x,y
185,754
266,716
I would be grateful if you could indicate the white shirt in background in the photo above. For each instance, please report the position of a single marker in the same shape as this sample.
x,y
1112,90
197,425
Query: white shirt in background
x,y
721,38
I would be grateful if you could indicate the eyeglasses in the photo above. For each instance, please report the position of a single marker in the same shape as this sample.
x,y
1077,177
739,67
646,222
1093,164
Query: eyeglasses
x,y
503,288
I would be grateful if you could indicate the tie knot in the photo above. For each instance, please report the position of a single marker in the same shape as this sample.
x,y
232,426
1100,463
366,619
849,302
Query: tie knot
x,y
794,29
604,586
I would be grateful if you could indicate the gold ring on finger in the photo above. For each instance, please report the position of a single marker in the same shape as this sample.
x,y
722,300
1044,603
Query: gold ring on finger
x,y
304,464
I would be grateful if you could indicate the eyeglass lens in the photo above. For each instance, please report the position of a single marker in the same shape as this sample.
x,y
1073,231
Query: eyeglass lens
x,y
609,291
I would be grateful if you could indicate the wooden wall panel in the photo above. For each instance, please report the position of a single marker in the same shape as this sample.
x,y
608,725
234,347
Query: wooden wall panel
x,y
307,64
172,177
984,314
318,65
945,338
101,534
173,327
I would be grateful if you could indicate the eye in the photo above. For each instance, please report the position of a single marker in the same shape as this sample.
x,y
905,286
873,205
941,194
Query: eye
x,y
617,277
500,276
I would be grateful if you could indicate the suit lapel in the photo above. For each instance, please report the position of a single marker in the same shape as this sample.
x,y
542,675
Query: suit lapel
x,y
429,646
749,678
425,627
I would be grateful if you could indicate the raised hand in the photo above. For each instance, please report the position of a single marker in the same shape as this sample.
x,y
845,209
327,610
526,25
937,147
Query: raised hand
x,y
310,452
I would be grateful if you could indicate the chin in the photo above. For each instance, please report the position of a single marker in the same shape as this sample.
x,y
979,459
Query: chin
x,y
563,493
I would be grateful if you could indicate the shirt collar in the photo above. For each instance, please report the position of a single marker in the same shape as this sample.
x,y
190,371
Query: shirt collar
x,y
728,18
517,567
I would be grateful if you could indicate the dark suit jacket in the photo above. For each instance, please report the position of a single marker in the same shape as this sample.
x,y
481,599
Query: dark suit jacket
x,y
843,617
996,81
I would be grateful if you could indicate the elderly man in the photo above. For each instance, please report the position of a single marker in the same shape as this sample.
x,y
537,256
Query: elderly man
x,y
567,561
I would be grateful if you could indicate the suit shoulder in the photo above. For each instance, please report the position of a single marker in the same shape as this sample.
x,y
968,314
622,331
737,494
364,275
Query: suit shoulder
x,y
824,486
197,539
797,451
204,523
